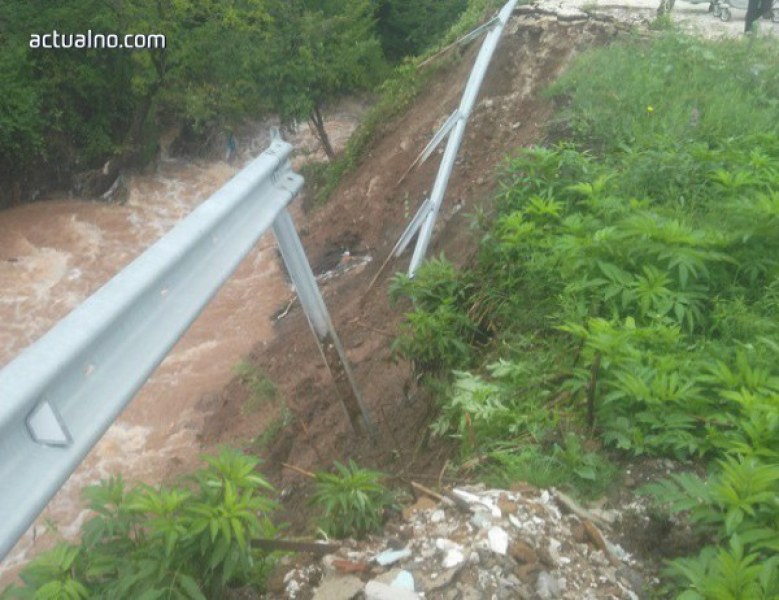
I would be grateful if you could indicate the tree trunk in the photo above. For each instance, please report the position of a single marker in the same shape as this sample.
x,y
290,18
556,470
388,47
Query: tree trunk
x,y
319,127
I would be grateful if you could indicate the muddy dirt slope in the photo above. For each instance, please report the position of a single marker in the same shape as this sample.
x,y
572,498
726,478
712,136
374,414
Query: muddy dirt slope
x,y
364,217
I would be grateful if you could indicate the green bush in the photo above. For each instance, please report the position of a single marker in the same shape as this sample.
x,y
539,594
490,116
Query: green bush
x,y
352,500
190,541
437,333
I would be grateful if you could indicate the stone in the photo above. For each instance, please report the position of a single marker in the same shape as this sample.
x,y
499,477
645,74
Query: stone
x,y
467,592
481,519
338,588
498,539
548,587
523,552
445,545
375,590
437,516
579,533
507,506
453,558
527,572
424,503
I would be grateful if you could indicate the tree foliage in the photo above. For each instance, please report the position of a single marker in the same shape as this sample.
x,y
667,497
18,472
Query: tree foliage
x,y
65,111
407,27
320,50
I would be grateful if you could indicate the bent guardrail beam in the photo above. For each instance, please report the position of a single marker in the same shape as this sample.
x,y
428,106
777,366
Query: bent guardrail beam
x,y
61,394
426,216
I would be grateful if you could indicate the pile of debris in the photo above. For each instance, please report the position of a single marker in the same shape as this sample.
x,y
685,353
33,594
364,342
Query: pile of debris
x,y
476,543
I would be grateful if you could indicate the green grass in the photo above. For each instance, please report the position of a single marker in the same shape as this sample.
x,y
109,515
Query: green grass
x,y
261,389
670,89
272,431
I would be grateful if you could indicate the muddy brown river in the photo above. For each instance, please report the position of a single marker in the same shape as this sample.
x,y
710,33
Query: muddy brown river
x,y
55,253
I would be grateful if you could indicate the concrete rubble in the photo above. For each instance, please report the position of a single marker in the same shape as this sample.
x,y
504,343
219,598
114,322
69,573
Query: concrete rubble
x,y
478,544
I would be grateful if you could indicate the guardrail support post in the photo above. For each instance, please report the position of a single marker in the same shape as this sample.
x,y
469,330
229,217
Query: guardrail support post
x,y
319,319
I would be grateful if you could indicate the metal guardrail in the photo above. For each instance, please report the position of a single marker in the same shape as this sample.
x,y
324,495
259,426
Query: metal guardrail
x,y
60,395
454,128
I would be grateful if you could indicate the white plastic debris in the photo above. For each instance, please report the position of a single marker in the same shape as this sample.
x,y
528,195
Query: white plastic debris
x,y
392,556
404,581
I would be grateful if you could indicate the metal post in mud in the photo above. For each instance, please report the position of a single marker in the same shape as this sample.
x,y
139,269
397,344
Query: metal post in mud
x,y
316,312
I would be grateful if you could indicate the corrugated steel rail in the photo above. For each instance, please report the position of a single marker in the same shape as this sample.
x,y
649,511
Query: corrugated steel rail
x,y
60,395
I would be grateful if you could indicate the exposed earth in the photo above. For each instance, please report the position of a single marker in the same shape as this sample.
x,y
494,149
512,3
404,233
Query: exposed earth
x,y
347,239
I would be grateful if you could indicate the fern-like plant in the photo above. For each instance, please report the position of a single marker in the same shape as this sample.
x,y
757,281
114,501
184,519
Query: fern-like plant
x,y
352,500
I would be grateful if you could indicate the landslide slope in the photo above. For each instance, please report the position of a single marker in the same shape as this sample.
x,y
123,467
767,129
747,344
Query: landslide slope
x,y
365,216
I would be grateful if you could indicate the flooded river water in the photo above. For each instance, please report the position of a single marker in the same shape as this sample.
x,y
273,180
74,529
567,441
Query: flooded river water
x,y
55,253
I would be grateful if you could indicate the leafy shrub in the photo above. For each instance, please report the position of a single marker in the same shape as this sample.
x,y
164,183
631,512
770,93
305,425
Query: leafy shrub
x,y
189,541
628,286
438,332
352,500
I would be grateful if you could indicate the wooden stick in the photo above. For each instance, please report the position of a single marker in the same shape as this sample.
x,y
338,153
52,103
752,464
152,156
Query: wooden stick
x,y
369,328
292,546
428,492
443,470
303,472
579,511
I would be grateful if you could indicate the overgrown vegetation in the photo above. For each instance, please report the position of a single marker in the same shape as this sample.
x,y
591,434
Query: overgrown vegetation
x,y
409,27
625,297
191,541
